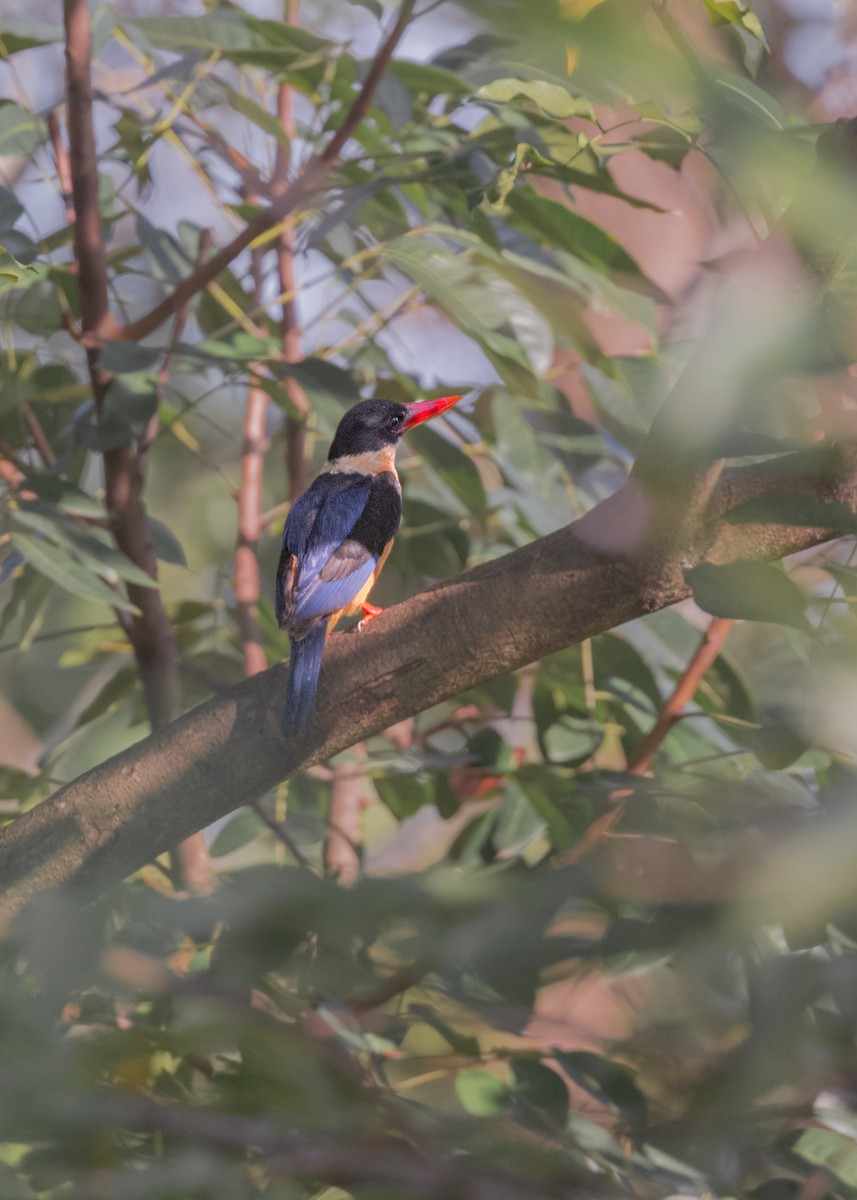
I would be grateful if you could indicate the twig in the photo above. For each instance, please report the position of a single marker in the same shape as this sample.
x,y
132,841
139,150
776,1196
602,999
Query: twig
x,y
287,196
704,657
278,829
341,857
40,439
63,165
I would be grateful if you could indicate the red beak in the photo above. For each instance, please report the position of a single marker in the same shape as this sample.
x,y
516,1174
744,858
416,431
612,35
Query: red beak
x,y
424,410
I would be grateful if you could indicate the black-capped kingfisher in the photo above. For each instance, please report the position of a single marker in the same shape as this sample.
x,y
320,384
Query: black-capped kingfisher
x,y
337,537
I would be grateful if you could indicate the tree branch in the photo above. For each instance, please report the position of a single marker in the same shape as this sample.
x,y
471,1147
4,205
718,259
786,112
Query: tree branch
x,y
346,803
150,632
230,751
289,332
287,197
249,509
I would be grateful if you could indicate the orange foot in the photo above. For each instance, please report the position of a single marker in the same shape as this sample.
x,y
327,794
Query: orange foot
x,y
371,611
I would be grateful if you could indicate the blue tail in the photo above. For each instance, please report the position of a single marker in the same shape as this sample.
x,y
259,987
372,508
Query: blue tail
x,y
304,667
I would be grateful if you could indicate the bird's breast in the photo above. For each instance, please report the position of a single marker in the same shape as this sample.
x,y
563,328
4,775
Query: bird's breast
x,y
369,462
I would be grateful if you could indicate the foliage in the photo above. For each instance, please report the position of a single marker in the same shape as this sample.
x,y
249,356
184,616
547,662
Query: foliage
x,y
293,1037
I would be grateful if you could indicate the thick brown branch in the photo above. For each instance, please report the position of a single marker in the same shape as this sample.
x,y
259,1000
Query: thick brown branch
x,y
285,201
229,751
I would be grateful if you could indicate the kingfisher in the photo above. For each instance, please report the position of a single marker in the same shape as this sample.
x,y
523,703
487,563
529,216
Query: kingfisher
x,y
337,537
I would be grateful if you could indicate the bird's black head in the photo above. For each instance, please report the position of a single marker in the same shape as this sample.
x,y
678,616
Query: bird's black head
x,y
372,425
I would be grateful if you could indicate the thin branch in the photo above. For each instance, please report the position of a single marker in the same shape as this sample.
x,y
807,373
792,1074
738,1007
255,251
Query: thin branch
x,y
63,165
360,107
246,562
40,438
283,835
249,507
287,197
344,834
96,320
703,658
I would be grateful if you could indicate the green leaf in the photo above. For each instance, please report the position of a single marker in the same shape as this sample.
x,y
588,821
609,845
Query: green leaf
x,y
833,1151
127,358
731,12
558,225
610,1082
795,508
238,37
99,556
322,381
12,1187
540,1095
454,467
56,384
168,548
37,309
741,94
551,98
118,688
572,740
267,121
481,1093
423,78
10,209
131,400
451,283
244,827
21,131
750,591
65,496
58,566
21,32
404,794
10,268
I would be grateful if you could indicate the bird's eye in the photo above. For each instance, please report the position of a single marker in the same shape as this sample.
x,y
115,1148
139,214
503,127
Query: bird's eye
x,y
395,422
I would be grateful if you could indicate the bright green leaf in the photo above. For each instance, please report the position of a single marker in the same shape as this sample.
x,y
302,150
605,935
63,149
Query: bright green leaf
x,y
552,98
481,1093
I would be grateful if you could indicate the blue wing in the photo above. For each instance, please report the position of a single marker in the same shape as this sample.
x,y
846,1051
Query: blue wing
x,y
331,568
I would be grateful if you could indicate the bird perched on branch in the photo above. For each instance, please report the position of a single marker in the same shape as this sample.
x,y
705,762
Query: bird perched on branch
x,y
337,537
